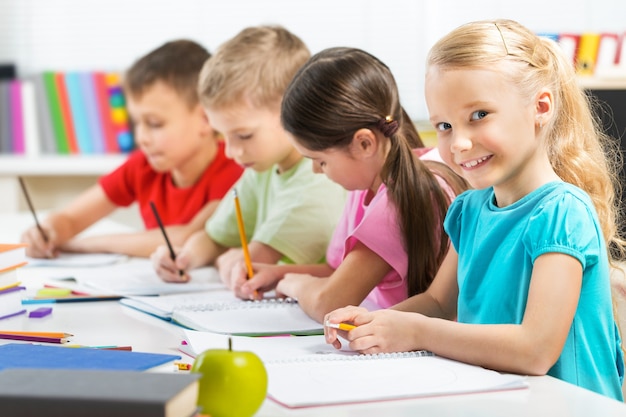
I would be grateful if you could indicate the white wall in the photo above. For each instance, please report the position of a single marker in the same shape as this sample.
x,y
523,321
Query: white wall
x,y
109,34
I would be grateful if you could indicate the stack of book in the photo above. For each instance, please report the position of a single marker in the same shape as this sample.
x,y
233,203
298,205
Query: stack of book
x,y
12,258
64,113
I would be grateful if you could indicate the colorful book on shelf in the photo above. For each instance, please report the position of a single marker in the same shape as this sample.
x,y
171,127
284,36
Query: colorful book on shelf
x,y
608,56
78,112
5,117
66,113
44,116
17,117
78,393
88,90
56,114
32,137
119,115
104,110
307,372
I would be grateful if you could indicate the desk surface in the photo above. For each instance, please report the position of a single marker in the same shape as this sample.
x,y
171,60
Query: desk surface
x,y
110,323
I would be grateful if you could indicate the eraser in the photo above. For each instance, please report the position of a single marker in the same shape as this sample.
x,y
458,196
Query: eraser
x,y
54,292
40,312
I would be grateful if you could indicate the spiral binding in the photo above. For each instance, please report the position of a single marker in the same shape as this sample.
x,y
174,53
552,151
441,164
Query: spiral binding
x,y
240,305
325,356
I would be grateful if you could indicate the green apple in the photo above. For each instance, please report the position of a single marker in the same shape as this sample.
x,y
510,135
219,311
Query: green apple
x,y
233,384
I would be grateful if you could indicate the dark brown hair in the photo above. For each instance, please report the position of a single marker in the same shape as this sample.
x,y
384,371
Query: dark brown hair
x,y
341,90
176,63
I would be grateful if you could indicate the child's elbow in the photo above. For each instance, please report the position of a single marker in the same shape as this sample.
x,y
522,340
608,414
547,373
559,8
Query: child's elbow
x,y
538,362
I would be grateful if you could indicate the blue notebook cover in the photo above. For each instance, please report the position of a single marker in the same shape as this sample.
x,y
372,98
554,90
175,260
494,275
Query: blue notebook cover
x,y
18,355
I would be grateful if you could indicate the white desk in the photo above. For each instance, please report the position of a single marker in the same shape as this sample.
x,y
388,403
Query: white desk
x,y
109,323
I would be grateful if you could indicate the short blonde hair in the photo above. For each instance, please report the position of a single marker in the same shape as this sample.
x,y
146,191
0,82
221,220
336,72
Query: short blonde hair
x,y
257,64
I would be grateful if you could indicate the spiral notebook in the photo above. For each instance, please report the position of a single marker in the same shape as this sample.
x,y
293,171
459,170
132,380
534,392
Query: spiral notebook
x,y
248,318
307,372
221,311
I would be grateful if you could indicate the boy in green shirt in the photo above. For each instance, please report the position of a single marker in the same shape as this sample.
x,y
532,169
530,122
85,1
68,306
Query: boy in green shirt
x,y
289,212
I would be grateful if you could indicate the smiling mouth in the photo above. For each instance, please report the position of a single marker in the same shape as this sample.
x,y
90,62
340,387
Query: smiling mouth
x,y
475,162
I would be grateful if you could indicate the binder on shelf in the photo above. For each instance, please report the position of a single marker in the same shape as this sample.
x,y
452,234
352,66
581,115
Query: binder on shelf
x,y
569,43
587,53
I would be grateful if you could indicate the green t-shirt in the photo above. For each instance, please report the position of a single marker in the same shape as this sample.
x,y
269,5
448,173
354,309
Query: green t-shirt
x,y
295,212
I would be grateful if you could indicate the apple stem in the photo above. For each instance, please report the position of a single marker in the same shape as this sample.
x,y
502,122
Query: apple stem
x,y
230,344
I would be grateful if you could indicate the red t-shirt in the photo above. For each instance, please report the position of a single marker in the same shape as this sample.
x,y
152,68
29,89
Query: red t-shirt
x,y
136,180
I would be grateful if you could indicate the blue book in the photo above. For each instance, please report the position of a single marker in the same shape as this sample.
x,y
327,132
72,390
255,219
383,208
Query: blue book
x,y
79,113
96,131
17,355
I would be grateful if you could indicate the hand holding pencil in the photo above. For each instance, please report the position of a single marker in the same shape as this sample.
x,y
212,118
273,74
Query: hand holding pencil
x,y
40,240
164,259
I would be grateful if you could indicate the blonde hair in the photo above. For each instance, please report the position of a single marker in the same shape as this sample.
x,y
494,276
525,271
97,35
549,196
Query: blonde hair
x,y
579,151
257,64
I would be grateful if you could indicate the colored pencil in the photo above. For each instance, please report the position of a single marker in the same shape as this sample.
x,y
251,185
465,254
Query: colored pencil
x,y
242,236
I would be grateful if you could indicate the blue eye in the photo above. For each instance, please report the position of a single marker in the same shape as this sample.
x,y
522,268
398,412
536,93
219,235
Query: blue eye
x,y
443,126
480,114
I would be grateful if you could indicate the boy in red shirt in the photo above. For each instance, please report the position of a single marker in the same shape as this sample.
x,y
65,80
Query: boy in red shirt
x,y
180,164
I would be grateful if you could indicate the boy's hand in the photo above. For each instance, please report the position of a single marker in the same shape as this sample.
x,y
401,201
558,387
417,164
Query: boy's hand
x,y
265,278
37,246
168,269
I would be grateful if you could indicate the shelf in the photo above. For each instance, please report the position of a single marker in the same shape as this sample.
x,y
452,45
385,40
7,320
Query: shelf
x,y
59,165
604,83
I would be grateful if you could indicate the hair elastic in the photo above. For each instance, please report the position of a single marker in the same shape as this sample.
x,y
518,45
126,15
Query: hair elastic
x,y
388,126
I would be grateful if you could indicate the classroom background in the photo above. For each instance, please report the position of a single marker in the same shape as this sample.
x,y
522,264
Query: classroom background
x,y
108,35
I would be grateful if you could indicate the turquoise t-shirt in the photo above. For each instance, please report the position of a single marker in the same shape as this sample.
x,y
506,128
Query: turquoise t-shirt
x,y
497,248
295,212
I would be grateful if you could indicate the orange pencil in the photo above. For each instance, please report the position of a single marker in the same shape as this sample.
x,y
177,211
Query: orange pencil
x,y
242,236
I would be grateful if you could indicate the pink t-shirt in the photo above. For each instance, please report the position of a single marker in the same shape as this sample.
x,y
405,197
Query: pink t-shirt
x,y
376,226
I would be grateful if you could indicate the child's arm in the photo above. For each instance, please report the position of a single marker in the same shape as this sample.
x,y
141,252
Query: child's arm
x,y
356,276
89,207
531,347
143,243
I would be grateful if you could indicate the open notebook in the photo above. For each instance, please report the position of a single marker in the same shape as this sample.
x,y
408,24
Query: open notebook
x,y
220,311
305,372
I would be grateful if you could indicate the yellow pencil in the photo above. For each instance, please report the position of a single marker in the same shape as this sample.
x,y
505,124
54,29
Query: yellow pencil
x,y
36,334
340,326
242,236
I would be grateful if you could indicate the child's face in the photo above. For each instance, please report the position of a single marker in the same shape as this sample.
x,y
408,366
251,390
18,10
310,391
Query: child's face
x,y
342,167
485,130
254,136
166,129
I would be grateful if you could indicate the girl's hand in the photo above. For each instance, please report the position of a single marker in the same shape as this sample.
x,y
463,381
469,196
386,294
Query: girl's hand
x,y
381,331
168,269
292,284
350,314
